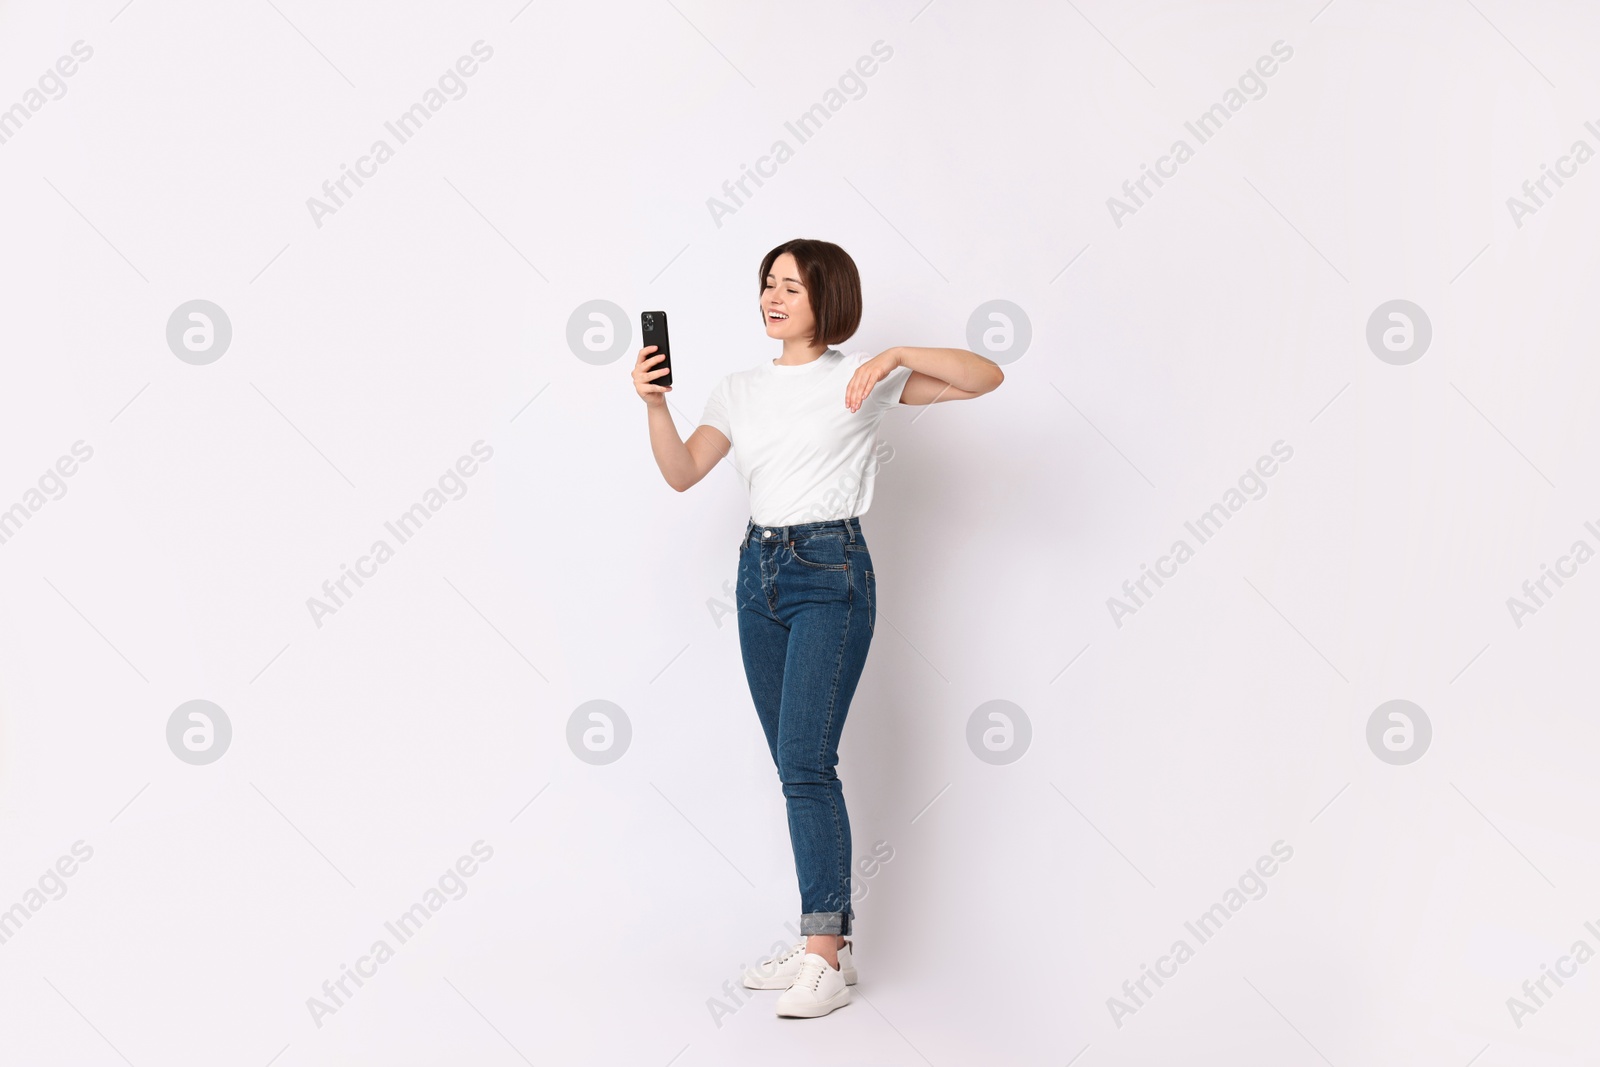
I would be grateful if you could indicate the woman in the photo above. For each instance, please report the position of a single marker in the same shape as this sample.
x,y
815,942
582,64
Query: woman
x,y
803,429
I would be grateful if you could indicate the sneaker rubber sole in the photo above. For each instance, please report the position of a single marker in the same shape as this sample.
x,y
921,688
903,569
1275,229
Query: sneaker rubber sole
x,y
812,1011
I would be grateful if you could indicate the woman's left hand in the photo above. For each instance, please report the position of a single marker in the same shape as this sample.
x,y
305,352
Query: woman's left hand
x,y
867,376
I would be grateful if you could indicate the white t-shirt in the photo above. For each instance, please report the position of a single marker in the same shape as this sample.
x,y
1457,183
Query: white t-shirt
x,y
804,456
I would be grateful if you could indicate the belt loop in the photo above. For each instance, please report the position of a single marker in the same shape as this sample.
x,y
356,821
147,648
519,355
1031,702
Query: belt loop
x,y
850,527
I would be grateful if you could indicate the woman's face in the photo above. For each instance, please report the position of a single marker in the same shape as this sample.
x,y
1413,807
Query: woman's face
x,y
785,303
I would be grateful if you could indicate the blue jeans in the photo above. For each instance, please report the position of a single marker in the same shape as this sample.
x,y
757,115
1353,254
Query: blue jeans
x,y
806,614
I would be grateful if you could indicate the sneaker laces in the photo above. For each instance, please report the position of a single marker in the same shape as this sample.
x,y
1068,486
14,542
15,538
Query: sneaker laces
x,y
811,973
774,962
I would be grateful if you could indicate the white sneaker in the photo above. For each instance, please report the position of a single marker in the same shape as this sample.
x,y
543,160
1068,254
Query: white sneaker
x,y
780,971
817,990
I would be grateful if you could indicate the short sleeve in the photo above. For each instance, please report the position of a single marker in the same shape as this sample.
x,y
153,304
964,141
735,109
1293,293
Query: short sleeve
x,y
893,385
716,414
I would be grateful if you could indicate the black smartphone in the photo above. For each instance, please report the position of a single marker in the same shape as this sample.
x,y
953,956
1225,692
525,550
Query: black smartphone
x,y
653,325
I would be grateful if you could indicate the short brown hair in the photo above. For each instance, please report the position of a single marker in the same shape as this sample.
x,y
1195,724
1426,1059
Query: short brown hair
x,y
832,283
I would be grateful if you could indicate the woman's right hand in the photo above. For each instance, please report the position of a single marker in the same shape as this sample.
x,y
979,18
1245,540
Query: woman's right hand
x,y
646,369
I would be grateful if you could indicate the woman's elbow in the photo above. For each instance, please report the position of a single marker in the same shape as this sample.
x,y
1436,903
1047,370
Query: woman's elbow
x,y
682,483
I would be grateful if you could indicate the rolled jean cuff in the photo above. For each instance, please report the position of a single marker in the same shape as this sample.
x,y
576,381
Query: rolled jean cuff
x,y
824,922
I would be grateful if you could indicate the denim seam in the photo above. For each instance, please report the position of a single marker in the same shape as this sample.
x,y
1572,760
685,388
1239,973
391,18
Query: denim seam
x,y
842,873
866,588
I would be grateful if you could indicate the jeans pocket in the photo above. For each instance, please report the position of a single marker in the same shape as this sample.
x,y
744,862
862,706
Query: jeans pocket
x,y
825,552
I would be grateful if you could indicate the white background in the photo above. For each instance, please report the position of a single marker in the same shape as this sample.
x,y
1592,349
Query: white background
x,y
431,311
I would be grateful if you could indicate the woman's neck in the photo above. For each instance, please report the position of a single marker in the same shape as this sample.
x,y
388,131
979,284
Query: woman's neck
x,y
795,352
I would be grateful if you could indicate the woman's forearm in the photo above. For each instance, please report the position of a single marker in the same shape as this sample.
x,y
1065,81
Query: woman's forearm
x,y
672,455
962,369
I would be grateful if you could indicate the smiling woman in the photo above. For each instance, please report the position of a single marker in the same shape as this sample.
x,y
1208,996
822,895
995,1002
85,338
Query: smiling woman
x,y
803,432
